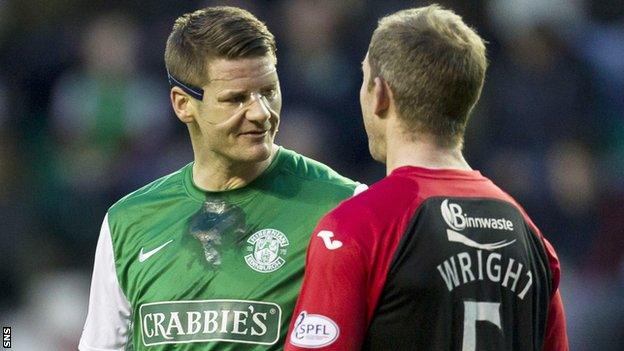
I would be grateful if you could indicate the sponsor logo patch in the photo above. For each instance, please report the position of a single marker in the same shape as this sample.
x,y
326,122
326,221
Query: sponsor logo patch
x,y
179,322
266,249
457,220
313,331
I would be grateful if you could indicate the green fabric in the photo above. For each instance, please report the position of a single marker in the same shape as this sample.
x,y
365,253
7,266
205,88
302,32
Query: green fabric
x,y
235,265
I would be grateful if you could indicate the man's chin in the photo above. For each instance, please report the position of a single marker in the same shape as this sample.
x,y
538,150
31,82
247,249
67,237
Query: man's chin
x,y
377,155
379,159
257,153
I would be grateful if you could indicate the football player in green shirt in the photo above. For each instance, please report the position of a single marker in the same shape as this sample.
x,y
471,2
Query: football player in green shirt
x,y
211,257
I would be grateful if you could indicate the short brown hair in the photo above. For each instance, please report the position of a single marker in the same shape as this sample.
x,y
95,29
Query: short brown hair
x,y
435,66
214,32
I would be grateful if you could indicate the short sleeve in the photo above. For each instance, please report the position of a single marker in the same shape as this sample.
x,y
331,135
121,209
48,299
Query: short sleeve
x,y
331,310
556,338
107,327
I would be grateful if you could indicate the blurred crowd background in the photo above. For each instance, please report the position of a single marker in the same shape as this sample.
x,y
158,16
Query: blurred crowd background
x,y
85,118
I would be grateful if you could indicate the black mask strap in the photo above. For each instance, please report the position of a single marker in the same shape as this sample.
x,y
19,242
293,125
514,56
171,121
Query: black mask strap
x,y
197,93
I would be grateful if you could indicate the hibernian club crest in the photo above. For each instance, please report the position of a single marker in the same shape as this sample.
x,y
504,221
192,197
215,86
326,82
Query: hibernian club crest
x,y
266,249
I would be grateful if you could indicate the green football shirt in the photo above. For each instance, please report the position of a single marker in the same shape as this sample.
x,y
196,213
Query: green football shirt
x,y
178,268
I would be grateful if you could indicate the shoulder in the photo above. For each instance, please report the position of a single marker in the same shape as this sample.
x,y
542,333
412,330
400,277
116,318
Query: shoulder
x,y
308,170
385,202
157,190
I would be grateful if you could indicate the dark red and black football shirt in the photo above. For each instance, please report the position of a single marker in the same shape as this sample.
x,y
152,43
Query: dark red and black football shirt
x,y
429,260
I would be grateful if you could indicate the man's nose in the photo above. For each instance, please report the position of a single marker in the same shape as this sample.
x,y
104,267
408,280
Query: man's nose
x,y
259,109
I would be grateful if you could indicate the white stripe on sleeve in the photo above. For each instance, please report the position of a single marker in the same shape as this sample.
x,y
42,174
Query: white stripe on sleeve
x,y
360,188
107,327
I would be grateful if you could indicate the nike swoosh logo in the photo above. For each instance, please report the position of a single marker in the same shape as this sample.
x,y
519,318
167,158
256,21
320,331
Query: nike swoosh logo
x,y
460,238
145,255
326,235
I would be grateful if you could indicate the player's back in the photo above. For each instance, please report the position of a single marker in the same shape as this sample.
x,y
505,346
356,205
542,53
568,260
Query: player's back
x,y
429,260
469,271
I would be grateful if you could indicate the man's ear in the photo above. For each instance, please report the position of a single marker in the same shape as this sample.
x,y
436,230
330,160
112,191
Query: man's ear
x,y
183,106
382,94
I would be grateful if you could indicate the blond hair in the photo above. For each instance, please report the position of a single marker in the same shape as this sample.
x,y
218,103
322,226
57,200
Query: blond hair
x,y
435,66
214,32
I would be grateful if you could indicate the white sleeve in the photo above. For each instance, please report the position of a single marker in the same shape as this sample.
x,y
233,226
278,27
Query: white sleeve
x,y
108,321
360,188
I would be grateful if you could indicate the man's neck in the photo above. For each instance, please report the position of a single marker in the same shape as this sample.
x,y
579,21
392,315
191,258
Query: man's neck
x,y
422,153
219,174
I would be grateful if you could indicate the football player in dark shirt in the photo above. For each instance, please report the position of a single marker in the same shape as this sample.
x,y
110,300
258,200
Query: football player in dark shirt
x,y
434,256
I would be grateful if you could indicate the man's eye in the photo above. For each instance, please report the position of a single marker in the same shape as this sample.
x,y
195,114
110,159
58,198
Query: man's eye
x,y
269,93
237,99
